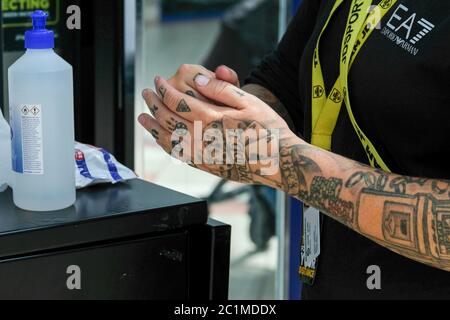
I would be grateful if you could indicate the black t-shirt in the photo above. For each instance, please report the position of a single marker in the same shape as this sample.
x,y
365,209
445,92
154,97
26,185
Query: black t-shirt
x,y
400,98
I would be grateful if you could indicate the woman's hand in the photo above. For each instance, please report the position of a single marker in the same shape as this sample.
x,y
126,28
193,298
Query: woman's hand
x,y
229,132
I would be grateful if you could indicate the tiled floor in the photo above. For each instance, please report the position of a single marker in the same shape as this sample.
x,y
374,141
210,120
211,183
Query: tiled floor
x,y
166,47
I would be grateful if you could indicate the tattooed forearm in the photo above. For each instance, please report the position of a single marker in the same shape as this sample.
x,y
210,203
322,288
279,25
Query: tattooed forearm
x,y
266,96
410,216
417,226
294,166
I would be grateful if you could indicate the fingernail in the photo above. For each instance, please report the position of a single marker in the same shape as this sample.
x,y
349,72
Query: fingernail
x,y
157,78
141,119
145,93
202,80
226,67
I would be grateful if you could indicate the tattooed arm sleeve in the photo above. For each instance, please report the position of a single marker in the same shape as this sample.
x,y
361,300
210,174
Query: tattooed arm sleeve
x,y
410,216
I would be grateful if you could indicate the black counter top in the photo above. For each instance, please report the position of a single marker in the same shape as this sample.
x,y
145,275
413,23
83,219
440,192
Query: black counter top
x,y
101,213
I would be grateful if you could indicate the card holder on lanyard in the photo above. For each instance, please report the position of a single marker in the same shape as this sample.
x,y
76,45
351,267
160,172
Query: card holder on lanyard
x,y
362,19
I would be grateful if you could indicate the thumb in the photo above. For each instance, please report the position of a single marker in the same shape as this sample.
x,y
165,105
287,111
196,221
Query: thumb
x,y
220,91
227,74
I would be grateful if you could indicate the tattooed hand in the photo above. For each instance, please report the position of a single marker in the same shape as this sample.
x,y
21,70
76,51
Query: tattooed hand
x,y
237,136
229,133
183,80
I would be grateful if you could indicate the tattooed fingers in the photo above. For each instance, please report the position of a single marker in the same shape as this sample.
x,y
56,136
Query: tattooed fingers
x,y
178,145
167,119
188,90
223,92
184,105
158,132
185,75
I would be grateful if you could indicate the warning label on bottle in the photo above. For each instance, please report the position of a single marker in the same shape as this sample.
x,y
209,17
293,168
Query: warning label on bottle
x,y
31,132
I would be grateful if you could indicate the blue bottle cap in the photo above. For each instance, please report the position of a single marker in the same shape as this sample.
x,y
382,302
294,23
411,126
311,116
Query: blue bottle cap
x,y
39,37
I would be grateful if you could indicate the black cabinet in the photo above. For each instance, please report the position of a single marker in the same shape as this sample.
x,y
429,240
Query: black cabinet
x,y
131,241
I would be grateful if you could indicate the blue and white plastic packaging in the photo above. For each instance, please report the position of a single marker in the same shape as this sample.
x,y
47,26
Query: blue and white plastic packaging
x,y
92,165
95,165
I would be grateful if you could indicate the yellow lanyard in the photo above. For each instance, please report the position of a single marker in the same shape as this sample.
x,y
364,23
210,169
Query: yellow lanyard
x,y
361,22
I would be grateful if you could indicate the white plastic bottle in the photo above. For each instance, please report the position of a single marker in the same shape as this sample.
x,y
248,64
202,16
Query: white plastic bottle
x,y
42,122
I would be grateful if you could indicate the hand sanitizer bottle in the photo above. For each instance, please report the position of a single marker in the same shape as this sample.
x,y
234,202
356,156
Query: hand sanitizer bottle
x,y
42,122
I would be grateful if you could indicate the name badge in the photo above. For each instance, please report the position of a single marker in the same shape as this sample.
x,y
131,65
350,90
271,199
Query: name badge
x,y
310,249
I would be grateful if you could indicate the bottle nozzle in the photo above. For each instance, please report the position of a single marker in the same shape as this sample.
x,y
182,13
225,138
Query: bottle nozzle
x,y
39,19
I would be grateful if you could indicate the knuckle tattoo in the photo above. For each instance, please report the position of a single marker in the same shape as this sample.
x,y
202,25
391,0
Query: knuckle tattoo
x,y
181,129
